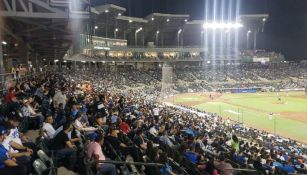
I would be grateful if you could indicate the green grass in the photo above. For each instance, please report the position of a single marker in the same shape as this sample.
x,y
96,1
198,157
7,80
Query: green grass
x,y
254,109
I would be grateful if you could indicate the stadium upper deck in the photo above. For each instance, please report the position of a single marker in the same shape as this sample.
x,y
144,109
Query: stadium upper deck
x,y
47,30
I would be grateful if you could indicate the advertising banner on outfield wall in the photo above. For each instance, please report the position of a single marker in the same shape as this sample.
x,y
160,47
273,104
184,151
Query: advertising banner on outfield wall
x,y
294,89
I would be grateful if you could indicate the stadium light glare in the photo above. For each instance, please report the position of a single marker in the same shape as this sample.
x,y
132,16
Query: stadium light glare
x,y
130,21
116,29
119,14
167,20
83,61
186,20
263,19
64,61
220,25
138,30
96,27
106,11
179,31
4,42
152,18
157,32
249,31
56,60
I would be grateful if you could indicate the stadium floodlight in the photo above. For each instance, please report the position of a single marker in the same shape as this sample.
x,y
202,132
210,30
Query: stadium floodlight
x,y
157,32
220,25
186,20
249,31
130,21
96,27
64,61
152,18
4,42
167,20
208,62
263,19
116,29
119,14
106,11
179,31
103,62
56,60
138,30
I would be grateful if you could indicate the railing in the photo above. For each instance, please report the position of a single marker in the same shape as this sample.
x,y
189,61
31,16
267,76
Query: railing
x,y
130,163
243,171
10,79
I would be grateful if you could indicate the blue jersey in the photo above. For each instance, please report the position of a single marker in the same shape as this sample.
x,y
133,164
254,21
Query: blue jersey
x,y
4,155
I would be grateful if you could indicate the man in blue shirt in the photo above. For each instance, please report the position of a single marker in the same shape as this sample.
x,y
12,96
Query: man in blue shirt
x,y
7,164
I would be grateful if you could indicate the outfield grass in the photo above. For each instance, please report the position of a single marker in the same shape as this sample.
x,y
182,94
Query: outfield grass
x,y
253,110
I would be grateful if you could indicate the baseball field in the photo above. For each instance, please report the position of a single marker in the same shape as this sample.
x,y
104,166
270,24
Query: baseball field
x,y
283,113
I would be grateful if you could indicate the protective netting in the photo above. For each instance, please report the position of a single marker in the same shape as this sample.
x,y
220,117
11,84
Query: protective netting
x,y
167,81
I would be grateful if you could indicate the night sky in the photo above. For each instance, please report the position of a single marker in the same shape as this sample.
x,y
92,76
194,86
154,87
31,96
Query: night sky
x,y
285,31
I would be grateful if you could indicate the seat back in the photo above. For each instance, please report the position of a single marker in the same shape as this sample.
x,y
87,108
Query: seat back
x,y
39,166
44,157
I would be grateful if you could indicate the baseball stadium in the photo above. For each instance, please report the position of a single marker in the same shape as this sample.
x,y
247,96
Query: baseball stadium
x,y
153,87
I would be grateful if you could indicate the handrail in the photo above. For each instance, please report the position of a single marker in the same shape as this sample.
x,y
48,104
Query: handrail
x,y
4,74
239,169
130,163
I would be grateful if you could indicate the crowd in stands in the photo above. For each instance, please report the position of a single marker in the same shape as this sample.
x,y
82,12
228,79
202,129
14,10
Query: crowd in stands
x,y
86,118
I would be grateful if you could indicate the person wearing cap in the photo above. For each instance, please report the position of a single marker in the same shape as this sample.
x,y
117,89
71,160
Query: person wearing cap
x,y
15,139
28,111
8,165
94,152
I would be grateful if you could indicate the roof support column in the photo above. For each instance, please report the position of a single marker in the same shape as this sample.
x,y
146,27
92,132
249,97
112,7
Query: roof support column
x,y
1,60
255,40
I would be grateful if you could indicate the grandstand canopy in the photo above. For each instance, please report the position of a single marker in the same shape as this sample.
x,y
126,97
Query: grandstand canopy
x,y
37,28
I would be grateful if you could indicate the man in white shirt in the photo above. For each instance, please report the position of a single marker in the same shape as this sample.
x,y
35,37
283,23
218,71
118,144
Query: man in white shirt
x,y
156,113
153,131
49,131
59,97
28,111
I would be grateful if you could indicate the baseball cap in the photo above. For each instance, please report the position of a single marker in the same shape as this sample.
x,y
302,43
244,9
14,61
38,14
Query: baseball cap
x,y
2,130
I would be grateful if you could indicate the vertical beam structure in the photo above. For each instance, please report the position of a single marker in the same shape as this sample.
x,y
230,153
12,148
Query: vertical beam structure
x,y
1,49
255,40
1,57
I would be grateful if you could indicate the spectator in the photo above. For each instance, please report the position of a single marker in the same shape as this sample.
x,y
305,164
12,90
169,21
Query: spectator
x,y
64,148
29,113
48,127
166,169
224,167
60,97
94,152
10,95
8,165
123,125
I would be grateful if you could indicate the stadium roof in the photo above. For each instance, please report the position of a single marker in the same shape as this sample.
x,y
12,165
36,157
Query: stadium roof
x,y
46,28
39,28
